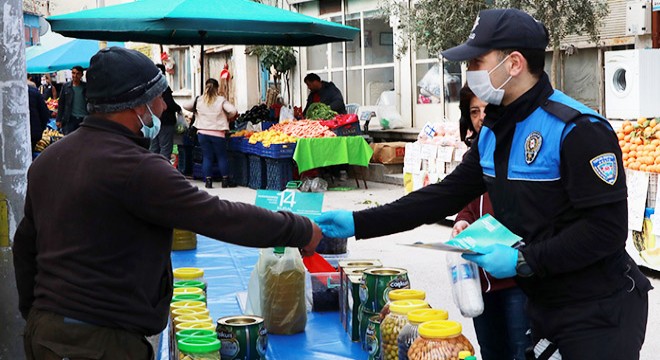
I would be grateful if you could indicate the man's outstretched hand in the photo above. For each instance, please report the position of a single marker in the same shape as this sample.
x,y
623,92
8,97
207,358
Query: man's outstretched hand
x,y
310,248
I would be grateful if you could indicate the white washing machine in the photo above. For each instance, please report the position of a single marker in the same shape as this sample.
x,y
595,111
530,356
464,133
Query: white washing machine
x,y
632,83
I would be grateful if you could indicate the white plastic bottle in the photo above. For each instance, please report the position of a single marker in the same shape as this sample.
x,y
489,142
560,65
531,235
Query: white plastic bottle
x,y
465,285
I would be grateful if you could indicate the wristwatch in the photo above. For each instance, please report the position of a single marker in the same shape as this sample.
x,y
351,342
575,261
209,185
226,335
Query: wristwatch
x,y
522,267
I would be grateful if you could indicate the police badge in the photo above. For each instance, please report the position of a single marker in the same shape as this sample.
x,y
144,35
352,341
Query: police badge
x,y
605,167
532,146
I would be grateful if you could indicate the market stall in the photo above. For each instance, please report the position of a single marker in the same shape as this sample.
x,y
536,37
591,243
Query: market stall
x,y
640,141
270,158
227,271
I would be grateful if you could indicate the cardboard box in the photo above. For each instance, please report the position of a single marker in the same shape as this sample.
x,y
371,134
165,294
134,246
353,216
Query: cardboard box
x,y
389,153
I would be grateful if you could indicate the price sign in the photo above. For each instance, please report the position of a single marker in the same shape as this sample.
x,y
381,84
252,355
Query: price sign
x,y
300,203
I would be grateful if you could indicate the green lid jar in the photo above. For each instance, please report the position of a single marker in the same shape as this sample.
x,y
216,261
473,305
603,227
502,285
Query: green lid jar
x,y
200,348
189,297
189,283
196,334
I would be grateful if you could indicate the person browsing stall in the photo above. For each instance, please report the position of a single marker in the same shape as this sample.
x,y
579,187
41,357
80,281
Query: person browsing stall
x,y
164,142
212,114
324,92
72,105
553,169
92,259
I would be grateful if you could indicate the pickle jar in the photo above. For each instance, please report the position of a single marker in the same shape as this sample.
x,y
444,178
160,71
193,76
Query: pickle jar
x,y
410,332
194,326
199,349
393,323
199,306
196,333
439,340
189,297
401,294
189,284
192,319
189,273
190,311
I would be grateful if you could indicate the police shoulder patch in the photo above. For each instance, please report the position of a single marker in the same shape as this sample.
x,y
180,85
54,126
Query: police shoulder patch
x,y
605,167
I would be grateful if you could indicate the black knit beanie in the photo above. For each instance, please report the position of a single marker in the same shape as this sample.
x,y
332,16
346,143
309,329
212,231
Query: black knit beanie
x,y
120,79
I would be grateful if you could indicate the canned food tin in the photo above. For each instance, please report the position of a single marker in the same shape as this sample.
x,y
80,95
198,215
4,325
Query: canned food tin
x,y
364,317
353,308
377,283
344,284
373,338
243,337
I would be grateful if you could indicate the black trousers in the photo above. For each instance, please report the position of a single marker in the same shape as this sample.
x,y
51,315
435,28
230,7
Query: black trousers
x,y
49,336
608,329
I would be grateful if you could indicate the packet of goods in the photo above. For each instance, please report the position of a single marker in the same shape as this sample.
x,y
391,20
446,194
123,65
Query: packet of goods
x,y
282,285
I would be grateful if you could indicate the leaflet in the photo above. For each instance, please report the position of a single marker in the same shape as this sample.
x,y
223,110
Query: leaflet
x,y
485,231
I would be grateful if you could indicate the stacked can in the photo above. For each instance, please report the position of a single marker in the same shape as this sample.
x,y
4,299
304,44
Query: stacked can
x,y
350,273
243,337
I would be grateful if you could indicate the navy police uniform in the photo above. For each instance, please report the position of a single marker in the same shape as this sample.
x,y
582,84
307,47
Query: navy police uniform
x,y
553,170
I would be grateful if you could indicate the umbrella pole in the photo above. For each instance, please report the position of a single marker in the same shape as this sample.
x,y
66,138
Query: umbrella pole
x,y
201,80
202,35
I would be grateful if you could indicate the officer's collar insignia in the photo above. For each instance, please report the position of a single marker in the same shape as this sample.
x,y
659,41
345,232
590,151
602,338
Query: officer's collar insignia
x,y
532,146
605,167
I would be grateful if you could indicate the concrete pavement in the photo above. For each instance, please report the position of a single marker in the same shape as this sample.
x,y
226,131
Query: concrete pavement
x,y
426,268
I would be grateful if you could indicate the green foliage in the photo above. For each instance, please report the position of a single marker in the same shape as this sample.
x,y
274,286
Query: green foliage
x,y
442,24
280,58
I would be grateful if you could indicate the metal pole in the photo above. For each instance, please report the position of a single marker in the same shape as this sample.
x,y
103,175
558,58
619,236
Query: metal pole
x,y
202,35
15,157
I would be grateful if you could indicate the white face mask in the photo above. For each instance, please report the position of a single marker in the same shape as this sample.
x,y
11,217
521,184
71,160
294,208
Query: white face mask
x,y
150,131
479,83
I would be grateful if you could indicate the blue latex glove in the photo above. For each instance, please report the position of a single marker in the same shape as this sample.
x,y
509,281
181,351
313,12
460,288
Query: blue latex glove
x,y
336,223
499,260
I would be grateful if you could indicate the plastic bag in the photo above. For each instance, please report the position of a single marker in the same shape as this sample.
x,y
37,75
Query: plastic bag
x,y
432,81
387,112
286,114
316,184
181,124
282,291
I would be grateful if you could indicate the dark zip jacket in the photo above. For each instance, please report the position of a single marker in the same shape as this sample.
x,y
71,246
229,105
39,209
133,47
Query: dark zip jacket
x,y
96,238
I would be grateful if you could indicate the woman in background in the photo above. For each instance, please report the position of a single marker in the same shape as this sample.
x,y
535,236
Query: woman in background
x,y
212,114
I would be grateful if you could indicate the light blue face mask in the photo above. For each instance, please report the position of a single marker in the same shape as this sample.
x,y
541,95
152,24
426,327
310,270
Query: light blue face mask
x,y
150,131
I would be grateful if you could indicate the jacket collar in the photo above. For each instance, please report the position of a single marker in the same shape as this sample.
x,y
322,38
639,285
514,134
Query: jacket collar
x,y
100,123
523,106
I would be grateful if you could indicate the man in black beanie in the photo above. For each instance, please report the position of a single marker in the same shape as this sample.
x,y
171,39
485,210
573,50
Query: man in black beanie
x,y
92,258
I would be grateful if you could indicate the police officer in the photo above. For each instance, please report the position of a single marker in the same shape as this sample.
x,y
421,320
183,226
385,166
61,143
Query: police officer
x,y
554,171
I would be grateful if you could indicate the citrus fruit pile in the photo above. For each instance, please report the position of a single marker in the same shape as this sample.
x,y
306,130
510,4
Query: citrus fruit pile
x,y
640,144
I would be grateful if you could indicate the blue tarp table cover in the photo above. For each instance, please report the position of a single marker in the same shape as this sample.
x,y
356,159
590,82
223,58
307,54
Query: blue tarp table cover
x,y
227,270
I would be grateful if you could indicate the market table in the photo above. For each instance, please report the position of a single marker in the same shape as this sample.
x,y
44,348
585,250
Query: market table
x,y
322,152
227,270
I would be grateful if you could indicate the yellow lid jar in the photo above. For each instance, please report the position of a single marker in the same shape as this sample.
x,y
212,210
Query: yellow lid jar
x,y
439,340
394,322
410,332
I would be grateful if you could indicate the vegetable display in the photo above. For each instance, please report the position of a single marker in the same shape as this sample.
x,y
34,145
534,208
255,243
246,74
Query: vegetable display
x,y
319,111
256,114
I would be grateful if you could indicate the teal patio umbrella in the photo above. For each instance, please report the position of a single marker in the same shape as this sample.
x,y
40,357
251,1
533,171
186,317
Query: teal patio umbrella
x,y
65,56
200,22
